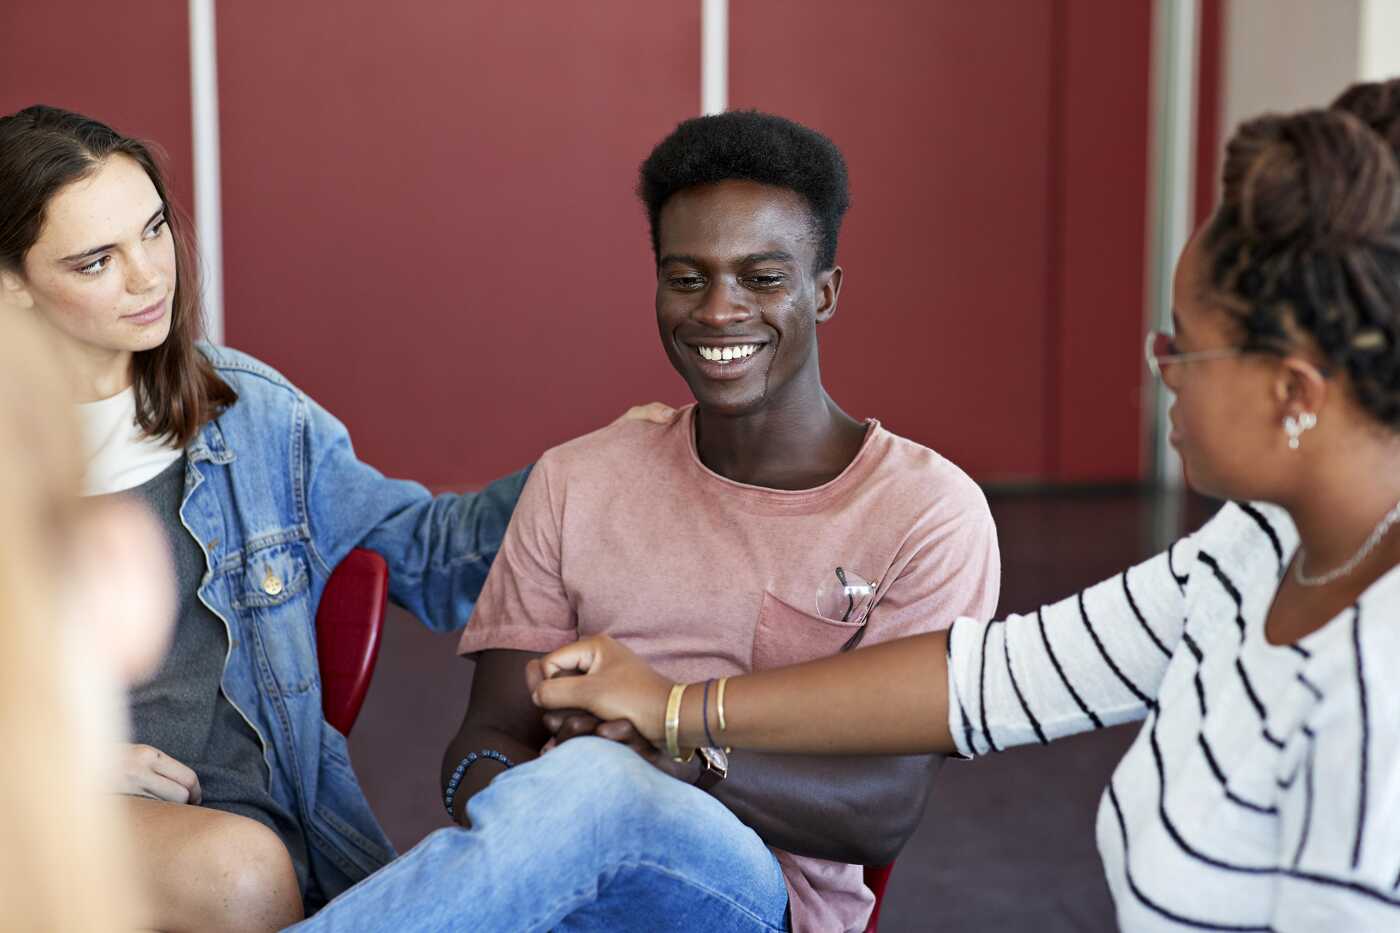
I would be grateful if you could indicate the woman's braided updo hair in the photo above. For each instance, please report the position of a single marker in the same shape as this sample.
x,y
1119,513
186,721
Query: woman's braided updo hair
x,y
1377,103
1307,238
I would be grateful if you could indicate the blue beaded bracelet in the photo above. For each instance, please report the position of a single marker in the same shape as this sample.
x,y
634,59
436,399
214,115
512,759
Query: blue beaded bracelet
x,y
461,769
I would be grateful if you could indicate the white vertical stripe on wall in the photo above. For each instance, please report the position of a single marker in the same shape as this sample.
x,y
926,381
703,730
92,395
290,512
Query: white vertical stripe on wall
x,y
1175,57
714,56
1380,40
208,212
1283,55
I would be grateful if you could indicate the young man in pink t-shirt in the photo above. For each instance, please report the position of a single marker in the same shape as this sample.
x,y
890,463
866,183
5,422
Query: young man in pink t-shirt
x,y
714,545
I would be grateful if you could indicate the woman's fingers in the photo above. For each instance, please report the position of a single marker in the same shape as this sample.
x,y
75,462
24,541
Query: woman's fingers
x,y
181,774
655,412
163,788
563,693
618,685
578,658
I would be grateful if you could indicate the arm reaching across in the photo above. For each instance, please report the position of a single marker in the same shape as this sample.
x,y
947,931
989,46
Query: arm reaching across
x,y
1093,659
889,699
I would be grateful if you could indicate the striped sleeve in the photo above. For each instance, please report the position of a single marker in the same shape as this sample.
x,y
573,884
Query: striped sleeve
x,y
1086,662
1339,819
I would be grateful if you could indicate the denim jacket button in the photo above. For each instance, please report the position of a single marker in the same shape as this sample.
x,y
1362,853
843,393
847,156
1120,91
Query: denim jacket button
x,y
272,584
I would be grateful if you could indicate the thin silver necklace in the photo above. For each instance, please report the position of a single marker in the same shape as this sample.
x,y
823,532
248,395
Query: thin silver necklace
x,y
1303,579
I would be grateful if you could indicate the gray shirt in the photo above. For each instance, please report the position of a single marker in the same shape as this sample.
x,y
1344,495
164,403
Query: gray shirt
x,y
183,710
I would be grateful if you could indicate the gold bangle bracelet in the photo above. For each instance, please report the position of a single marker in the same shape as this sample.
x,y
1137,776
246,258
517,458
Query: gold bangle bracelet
x,y
673,722
719,704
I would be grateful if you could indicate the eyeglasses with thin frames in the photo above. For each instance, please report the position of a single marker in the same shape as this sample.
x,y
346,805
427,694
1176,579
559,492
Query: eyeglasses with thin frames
x,y
1160,351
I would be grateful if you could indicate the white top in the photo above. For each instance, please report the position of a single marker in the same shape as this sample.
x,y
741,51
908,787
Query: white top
x,y
118,455
1263,792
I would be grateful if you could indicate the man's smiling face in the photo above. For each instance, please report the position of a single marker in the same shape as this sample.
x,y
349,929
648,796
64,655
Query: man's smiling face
x,y
737,300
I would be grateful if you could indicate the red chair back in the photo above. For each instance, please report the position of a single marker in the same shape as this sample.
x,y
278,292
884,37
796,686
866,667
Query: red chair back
x,y
349,622
876,877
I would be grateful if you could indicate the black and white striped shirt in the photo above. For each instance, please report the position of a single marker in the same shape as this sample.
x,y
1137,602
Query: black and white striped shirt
x,y
1263,792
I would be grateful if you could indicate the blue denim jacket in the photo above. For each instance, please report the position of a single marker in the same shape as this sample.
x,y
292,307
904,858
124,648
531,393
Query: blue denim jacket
x,y
276,498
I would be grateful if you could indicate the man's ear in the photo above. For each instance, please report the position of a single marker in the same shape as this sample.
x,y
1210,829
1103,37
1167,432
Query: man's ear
x,y
829,283
14,293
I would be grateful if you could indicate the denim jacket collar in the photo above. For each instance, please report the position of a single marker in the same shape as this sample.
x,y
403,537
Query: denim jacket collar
x,y
209,445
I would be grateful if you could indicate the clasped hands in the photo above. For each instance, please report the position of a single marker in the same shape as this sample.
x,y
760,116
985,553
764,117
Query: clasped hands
x,y
597,686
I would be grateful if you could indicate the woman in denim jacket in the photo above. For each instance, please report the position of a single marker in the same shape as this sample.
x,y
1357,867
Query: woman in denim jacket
x,y
266,495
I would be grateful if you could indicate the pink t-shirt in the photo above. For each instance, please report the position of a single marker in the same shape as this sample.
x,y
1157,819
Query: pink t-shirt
x,y
625,532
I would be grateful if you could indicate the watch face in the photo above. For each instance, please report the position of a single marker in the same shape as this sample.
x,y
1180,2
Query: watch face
x,y
715,759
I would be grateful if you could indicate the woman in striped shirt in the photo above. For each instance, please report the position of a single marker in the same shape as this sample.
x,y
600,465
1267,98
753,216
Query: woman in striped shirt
x,y
1263,791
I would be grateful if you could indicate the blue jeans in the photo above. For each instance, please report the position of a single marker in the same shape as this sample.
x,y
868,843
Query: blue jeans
x,y
587,837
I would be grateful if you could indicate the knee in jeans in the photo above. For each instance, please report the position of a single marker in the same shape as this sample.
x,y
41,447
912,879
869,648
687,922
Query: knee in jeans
x,y
246,871
599,764
444,841
619,782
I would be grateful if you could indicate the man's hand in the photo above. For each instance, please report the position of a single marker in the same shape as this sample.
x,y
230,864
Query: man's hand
x,y
615,685
149,772
571,723
624,733
565,724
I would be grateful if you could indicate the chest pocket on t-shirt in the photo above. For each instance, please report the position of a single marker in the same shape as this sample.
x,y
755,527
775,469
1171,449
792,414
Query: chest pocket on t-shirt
x,y
786,635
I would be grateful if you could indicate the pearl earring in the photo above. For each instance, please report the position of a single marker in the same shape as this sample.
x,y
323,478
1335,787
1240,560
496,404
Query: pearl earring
x,y
1295,426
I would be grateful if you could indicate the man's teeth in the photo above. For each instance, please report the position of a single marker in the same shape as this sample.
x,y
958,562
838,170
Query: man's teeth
x,y
726,354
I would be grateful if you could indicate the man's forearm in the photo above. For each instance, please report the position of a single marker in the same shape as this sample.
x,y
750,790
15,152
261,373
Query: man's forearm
x,y
478,738
856,810
501,718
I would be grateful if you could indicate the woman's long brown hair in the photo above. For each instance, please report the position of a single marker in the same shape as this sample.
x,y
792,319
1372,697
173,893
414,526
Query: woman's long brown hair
x,y
44,149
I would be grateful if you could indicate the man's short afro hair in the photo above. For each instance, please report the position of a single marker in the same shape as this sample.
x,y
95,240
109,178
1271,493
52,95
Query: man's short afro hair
x,y
750,146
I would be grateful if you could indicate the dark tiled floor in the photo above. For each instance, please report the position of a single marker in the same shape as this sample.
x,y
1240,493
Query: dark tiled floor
x,y
1007,843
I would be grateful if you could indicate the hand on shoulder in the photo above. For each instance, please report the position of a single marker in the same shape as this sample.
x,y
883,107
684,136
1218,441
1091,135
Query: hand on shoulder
x,y
655,412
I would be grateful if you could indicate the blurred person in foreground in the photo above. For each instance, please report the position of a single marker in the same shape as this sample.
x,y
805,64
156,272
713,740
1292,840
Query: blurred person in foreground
x,y
85,609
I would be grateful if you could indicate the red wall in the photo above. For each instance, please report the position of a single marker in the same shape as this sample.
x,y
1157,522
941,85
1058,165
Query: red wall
x,y
1100,248
1208,107
941,111
994,253
129,71
429,221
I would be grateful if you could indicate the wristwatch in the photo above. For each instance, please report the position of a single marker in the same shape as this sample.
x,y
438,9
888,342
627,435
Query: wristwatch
x,y
714,767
